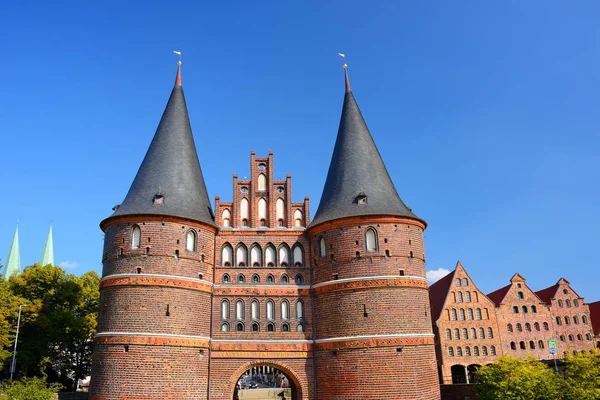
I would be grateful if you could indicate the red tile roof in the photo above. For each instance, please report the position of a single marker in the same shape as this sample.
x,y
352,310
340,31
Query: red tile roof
x,y
498,295
438,293
595,316
547,294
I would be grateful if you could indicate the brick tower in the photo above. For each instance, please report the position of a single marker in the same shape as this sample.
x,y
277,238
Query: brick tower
x,y
155,295
373,336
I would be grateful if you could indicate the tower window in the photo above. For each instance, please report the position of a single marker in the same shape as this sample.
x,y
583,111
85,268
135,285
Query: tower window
x,y
190,241
136,237
371,240
322,248
361,198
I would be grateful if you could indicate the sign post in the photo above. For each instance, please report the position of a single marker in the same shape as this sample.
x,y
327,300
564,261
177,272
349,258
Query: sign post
x,y
553,350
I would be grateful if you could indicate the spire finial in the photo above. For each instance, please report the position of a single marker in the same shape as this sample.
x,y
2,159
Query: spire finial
x,y
178,77
346,72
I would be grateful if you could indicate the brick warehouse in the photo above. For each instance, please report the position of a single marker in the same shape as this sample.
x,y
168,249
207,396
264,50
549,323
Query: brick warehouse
x,y
194,304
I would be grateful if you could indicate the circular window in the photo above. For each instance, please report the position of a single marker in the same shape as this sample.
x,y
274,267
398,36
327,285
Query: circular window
x,y
261,166
244,189
280,189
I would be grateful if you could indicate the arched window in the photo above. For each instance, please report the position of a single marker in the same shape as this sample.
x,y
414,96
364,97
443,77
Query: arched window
x,y
239,327
225,309
450,352
465,333
560,303
515,309
254,310
226,278
468,297
284,256
298,218
493,350
478,313
226,217
532,344
270,255
239,310
519,327
244,211
190,241
255,327
458,282
481,333
513,346
270,279
484,351
567,320
298,255
546,327
465,282
262,209
454,314
588,336
279,209
558,321
241,255
522,345
476,351
571,338
509,327
255,255
270,310
285,310
299,310
536,326
470,314
255,279
467,351
562,338
224,327
462,314
575,319
579,336
473,333
322,248
370,240
226,255
460,297
520,295
575,303
285,328
136,237
459,351
285,279
490,333
241,278
528,327
524,309
270,328
300,328
568,303
299,279
584,319
262,183
448,334
541,344
456,334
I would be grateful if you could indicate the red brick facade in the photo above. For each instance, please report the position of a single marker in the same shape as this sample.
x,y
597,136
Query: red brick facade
x,y
185,321
521,321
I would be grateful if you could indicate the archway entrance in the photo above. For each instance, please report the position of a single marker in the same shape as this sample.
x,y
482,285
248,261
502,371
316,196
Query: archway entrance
x,y
265,382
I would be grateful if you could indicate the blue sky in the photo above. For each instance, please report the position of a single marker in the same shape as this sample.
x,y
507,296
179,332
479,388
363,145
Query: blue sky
x,y
486,114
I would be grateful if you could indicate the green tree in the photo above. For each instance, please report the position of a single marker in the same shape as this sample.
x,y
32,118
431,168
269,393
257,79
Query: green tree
x,y
28,389
582,376
515,379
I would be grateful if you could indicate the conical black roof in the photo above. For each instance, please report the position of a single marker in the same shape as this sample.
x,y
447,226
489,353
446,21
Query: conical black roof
x,y
169,181
357,173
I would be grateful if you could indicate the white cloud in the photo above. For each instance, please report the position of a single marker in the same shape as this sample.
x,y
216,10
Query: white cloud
x,y
436,274
69,264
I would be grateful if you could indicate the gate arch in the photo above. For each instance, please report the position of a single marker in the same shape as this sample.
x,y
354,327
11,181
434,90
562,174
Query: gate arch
x,y
294,381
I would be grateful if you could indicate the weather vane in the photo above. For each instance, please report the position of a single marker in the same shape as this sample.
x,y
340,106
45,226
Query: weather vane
x,y
344,57
179,54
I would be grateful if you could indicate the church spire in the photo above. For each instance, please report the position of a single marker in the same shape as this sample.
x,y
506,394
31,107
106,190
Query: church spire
x,y
48,253
13,261
358,182
169,181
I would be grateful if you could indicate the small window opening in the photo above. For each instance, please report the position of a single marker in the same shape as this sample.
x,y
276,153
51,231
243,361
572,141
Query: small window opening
x,y
335,277
361,199
168,312
200,276
280,222
358,255
158,199
398,349
385,240
262,222
176,254
126,348
387,253
401,272
411,254
409,241
245,222
139,270
365,314
147,251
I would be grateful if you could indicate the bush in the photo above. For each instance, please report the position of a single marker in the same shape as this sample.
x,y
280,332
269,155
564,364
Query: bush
x,y
28,389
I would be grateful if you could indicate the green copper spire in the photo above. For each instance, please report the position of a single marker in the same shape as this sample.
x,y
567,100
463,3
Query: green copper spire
x,y
48,254
13,262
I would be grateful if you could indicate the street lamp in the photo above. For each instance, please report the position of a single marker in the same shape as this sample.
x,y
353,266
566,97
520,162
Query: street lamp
x,y
14,360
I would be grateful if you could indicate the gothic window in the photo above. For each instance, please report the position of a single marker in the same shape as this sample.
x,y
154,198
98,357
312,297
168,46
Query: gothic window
x,y
239,327
454,314
456,334
481,333
465,282
226,255
279,209
465,333
190,241
285,279
575,303
458,281
468,297
470,314
588,336
299,310
467,351
562,338
239,310
532,344
460,297
567,320
560,303
136,237
270,279
568,303
225,309
298,218
226,217
270,255
579,336
284,256
478,313
270,310
285,328
224,327
244,211
299,279
255,279
241,278
262,209
558,321
459,351
254,310
493,350
226,278
285,309
476,351
300,328
270,328
255,327
450,352
448,334
524,309
370,240
484,351
462,314
298,254
255,255
241,255
490,333
571,338
473,333
262,183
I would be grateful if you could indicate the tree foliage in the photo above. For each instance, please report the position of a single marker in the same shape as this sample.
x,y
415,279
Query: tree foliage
x,y
515,379
28,389
58,322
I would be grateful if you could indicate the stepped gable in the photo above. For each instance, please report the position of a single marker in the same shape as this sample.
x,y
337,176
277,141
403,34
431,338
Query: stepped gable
x,y
358,182
169,181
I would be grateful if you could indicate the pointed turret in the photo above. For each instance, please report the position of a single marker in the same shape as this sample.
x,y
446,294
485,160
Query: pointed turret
x,y
48,253
169,181
358,182
13,261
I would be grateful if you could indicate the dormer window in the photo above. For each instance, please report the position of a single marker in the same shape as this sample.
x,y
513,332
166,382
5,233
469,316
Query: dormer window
x,y
361,199
158,198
